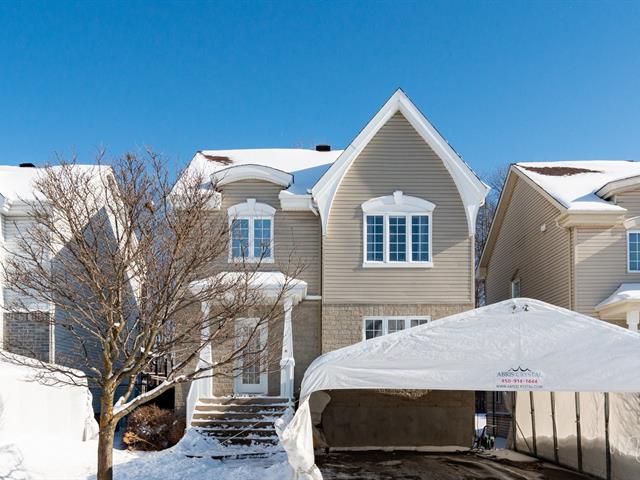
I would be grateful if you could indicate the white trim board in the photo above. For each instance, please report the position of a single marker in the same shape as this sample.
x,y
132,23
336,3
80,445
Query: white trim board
x,y
472,190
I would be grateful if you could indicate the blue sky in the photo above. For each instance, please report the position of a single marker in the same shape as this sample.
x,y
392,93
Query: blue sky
x,y
503,81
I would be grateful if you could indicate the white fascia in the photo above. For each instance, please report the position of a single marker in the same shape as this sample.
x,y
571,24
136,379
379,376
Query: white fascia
x,y
616,186
15,208
472,190
632,223
293,202
252,172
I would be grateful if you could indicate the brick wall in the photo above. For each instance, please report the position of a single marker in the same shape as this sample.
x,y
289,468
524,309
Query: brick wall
x,y
342,323
27,334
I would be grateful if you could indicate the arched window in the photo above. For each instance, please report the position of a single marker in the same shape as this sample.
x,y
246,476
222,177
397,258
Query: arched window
x,y
251,225
397,231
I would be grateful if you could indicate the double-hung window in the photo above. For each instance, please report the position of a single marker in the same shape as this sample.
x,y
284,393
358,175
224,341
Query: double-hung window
x,y
378,326
633,251
251,227
397,231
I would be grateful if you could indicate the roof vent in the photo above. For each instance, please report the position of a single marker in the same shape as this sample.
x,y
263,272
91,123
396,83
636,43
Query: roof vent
x,y
323,148
27,165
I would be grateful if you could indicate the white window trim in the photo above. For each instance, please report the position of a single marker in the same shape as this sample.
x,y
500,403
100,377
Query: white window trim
x,y
251,211
385,322
629,232
397,205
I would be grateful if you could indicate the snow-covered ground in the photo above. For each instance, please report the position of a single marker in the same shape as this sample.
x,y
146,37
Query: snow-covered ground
x,y
50,459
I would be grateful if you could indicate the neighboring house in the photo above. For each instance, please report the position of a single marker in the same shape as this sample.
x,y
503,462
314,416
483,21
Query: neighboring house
x,y
567,233
23,332
29,327
385,230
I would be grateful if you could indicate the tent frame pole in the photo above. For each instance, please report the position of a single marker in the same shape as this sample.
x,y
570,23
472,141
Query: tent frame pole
x,y
578,431
533,423
556,454
607,441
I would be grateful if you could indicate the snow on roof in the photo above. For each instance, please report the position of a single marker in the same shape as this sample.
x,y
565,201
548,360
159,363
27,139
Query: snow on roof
x,y
627,292
270,283
17,183
306,166
573,184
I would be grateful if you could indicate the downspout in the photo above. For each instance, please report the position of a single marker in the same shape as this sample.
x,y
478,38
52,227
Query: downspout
x,y
572,306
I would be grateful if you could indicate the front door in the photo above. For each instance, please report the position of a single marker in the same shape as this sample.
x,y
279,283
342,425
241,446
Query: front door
x,y
251,377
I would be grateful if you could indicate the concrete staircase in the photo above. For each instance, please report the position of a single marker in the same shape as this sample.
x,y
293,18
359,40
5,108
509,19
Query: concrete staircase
x,y
240,420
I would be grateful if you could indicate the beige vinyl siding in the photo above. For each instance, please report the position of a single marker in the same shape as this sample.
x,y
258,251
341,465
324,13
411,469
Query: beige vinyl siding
x,y
297,235
397,158
542,260
601,260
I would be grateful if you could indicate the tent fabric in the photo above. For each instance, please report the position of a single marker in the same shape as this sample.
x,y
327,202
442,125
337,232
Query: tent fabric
x,y
517,344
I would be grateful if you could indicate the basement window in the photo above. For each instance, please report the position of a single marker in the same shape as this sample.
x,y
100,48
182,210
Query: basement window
x,y
377,326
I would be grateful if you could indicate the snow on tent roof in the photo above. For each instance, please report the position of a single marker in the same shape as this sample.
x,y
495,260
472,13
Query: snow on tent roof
x,y
517,344
573,184
306,166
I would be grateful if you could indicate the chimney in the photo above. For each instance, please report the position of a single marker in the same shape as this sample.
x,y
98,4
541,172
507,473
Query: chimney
x,y
323,148
27,165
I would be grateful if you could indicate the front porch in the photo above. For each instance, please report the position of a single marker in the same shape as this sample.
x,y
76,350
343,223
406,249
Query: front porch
x,y
266,368
623,304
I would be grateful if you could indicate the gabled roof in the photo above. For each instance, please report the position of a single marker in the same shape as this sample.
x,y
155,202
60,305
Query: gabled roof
x,y
573,187
472,189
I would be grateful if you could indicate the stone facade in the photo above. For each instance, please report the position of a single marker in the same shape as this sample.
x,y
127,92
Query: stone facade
x,y
342,324
27,334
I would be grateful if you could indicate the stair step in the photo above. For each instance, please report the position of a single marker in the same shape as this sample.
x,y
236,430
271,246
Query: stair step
x,y
237,424
248,441
210,407
221,416
246,400
225,433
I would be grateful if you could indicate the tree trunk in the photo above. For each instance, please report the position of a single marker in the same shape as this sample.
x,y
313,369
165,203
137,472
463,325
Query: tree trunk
x,y
105,438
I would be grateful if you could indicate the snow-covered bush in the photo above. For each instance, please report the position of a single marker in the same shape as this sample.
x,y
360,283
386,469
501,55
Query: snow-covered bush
x,y
153,428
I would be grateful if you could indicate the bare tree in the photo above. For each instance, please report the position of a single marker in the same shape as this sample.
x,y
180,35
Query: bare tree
x,y
495,178
114,250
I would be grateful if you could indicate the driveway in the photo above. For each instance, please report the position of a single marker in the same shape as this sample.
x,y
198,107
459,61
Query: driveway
x,y
431,466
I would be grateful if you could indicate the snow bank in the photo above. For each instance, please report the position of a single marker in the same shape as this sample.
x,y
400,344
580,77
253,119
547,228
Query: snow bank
x,y
30,409
72,460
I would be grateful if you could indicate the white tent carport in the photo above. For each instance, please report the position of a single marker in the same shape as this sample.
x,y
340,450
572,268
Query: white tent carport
x,y
518,344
